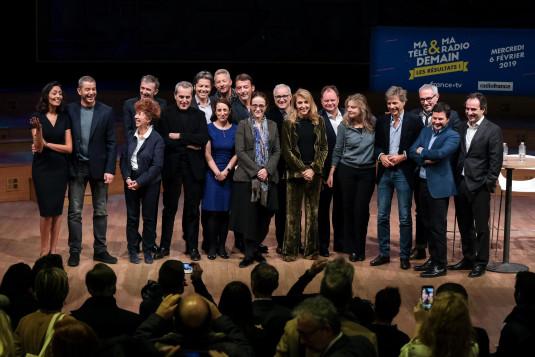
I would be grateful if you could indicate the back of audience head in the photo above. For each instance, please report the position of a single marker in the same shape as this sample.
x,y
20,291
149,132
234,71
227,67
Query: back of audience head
x,y
47,261
193,314
525,288
171,277
74,338
447,331
236,302
51,289
17,280
342,266
387,304
264,280
318,322
338,289
101,280
453,288
7,341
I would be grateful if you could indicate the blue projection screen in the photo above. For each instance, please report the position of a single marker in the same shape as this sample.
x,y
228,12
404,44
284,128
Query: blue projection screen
x,y
493,61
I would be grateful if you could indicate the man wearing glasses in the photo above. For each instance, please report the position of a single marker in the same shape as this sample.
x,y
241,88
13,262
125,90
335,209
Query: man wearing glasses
x,y
428,95
282,95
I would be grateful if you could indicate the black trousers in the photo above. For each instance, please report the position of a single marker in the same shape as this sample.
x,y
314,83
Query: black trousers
x,y
145,199
193,189
215,228
421,239
280,214
473,212
434,215
357,185
328,195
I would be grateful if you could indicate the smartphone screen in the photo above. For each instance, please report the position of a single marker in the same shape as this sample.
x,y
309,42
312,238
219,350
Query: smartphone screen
x,y
427,296
188,269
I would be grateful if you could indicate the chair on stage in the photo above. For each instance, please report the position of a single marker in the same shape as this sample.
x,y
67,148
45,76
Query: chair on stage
x,y
519,186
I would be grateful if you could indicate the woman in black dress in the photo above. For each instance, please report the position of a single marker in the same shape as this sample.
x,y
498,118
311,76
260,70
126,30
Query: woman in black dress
x,y
51,132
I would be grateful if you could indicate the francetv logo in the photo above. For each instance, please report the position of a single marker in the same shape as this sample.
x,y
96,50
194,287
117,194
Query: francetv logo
x,y
495,86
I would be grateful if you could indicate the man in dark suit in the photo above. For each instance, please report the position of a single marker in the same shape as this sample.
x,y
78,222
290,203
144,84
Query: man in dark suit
x,y
244,87
92,160
148,88
266,313
479,164
428,94
100,311
432,152
332,116
395,132
185,133
282,96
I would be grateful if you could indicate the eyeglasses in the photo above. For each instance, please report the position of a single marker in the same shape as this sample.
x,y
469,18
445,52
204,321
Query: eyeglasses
x,y
261,106
428,99
281,96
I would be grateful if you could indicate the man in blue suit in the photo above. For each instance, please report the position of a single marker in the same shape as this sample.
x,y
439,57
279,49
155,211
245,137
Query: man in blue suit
x,y
432,152
92,160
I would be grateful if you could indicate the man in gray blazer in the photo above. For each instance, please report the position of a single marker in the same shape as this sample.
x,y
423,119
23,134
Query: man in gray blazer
x,y
92,160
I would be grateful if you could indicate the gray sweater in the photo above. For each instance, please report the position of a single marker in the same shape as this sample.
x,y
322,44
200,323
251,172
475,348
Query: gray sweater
x,y
353,148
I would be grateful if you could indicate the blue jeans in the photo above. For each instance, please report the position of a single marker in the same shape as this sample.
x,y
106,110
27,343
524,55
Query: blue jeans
x,y
394,179
99,194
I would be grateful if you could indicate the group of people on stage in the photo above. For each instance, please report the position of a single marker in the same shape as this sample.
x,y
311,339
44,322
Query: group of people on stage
x,y
242,161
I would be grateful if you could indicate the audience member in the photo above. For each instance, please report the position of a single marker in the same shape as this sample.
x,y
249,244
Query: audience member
x,y
395,132
445,330
332,116
481,336
92,160
7,340
141,166
185,133
389,338
354,165
516,337
74,338
304,147
17,286
319,329
254,198
52,142
100,311
480,162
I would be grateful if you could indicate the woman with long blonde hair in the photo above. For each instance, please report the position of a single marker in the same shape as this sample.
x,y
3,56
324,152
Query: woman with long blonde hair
x,y
354,160
304,147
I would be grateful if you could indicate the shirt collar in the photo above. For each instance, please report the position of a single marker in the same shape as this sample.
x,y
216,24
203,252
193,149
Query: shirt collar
x,y
477,124
400,117
198,101
149,130
333,117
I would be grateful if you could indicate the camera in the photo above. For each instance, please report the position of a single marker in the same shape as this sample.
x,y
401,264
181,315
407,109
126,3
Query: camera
x,y
427,296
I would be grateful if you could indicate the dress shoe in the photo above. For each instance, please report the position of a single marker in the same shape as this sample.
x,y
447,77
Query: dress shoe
x,y
462,265
425,266
259,257
161,253
149,259
434,271
105,257
379,260
418,253
262,248
74,260
223,254
211,256
194,255
404,264
134,259
477,271
246,262
324,253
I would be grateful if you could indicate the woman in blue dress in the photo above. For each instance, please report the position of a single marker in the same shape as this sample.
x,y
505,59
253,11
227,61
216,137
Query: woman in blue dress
x,y
221,160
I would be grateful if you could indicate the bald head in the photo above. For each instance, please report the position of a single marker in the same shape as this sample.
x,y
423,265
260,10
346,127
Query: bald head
x,y
193,310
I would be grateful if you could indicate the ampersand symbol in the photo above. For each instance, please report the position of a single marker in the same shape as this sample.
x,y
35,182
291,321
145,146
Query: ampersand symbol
x,y
434,48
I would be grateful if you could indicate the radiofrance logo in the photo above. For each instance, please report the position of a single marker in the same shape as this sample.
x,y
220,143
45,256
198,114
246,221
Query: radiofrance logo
x,y
438,57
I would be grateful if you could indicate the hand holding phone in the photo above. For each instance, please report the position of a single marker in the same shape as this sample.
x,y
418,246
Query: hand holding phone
x,y
427,296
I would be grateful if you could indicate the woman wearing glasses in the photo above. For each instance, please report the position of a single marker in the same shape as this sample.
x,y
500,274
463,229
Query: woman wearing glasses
x,y
304,147
255,192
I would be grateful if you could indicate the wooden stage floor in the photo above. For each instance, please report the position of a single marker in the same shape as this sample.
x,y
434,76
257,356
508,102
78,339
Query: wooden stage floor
x,y
491,296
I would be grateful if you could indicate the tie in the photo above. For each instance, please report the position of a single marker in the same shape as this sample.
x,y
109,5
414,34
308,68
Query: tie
x,y
426,118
